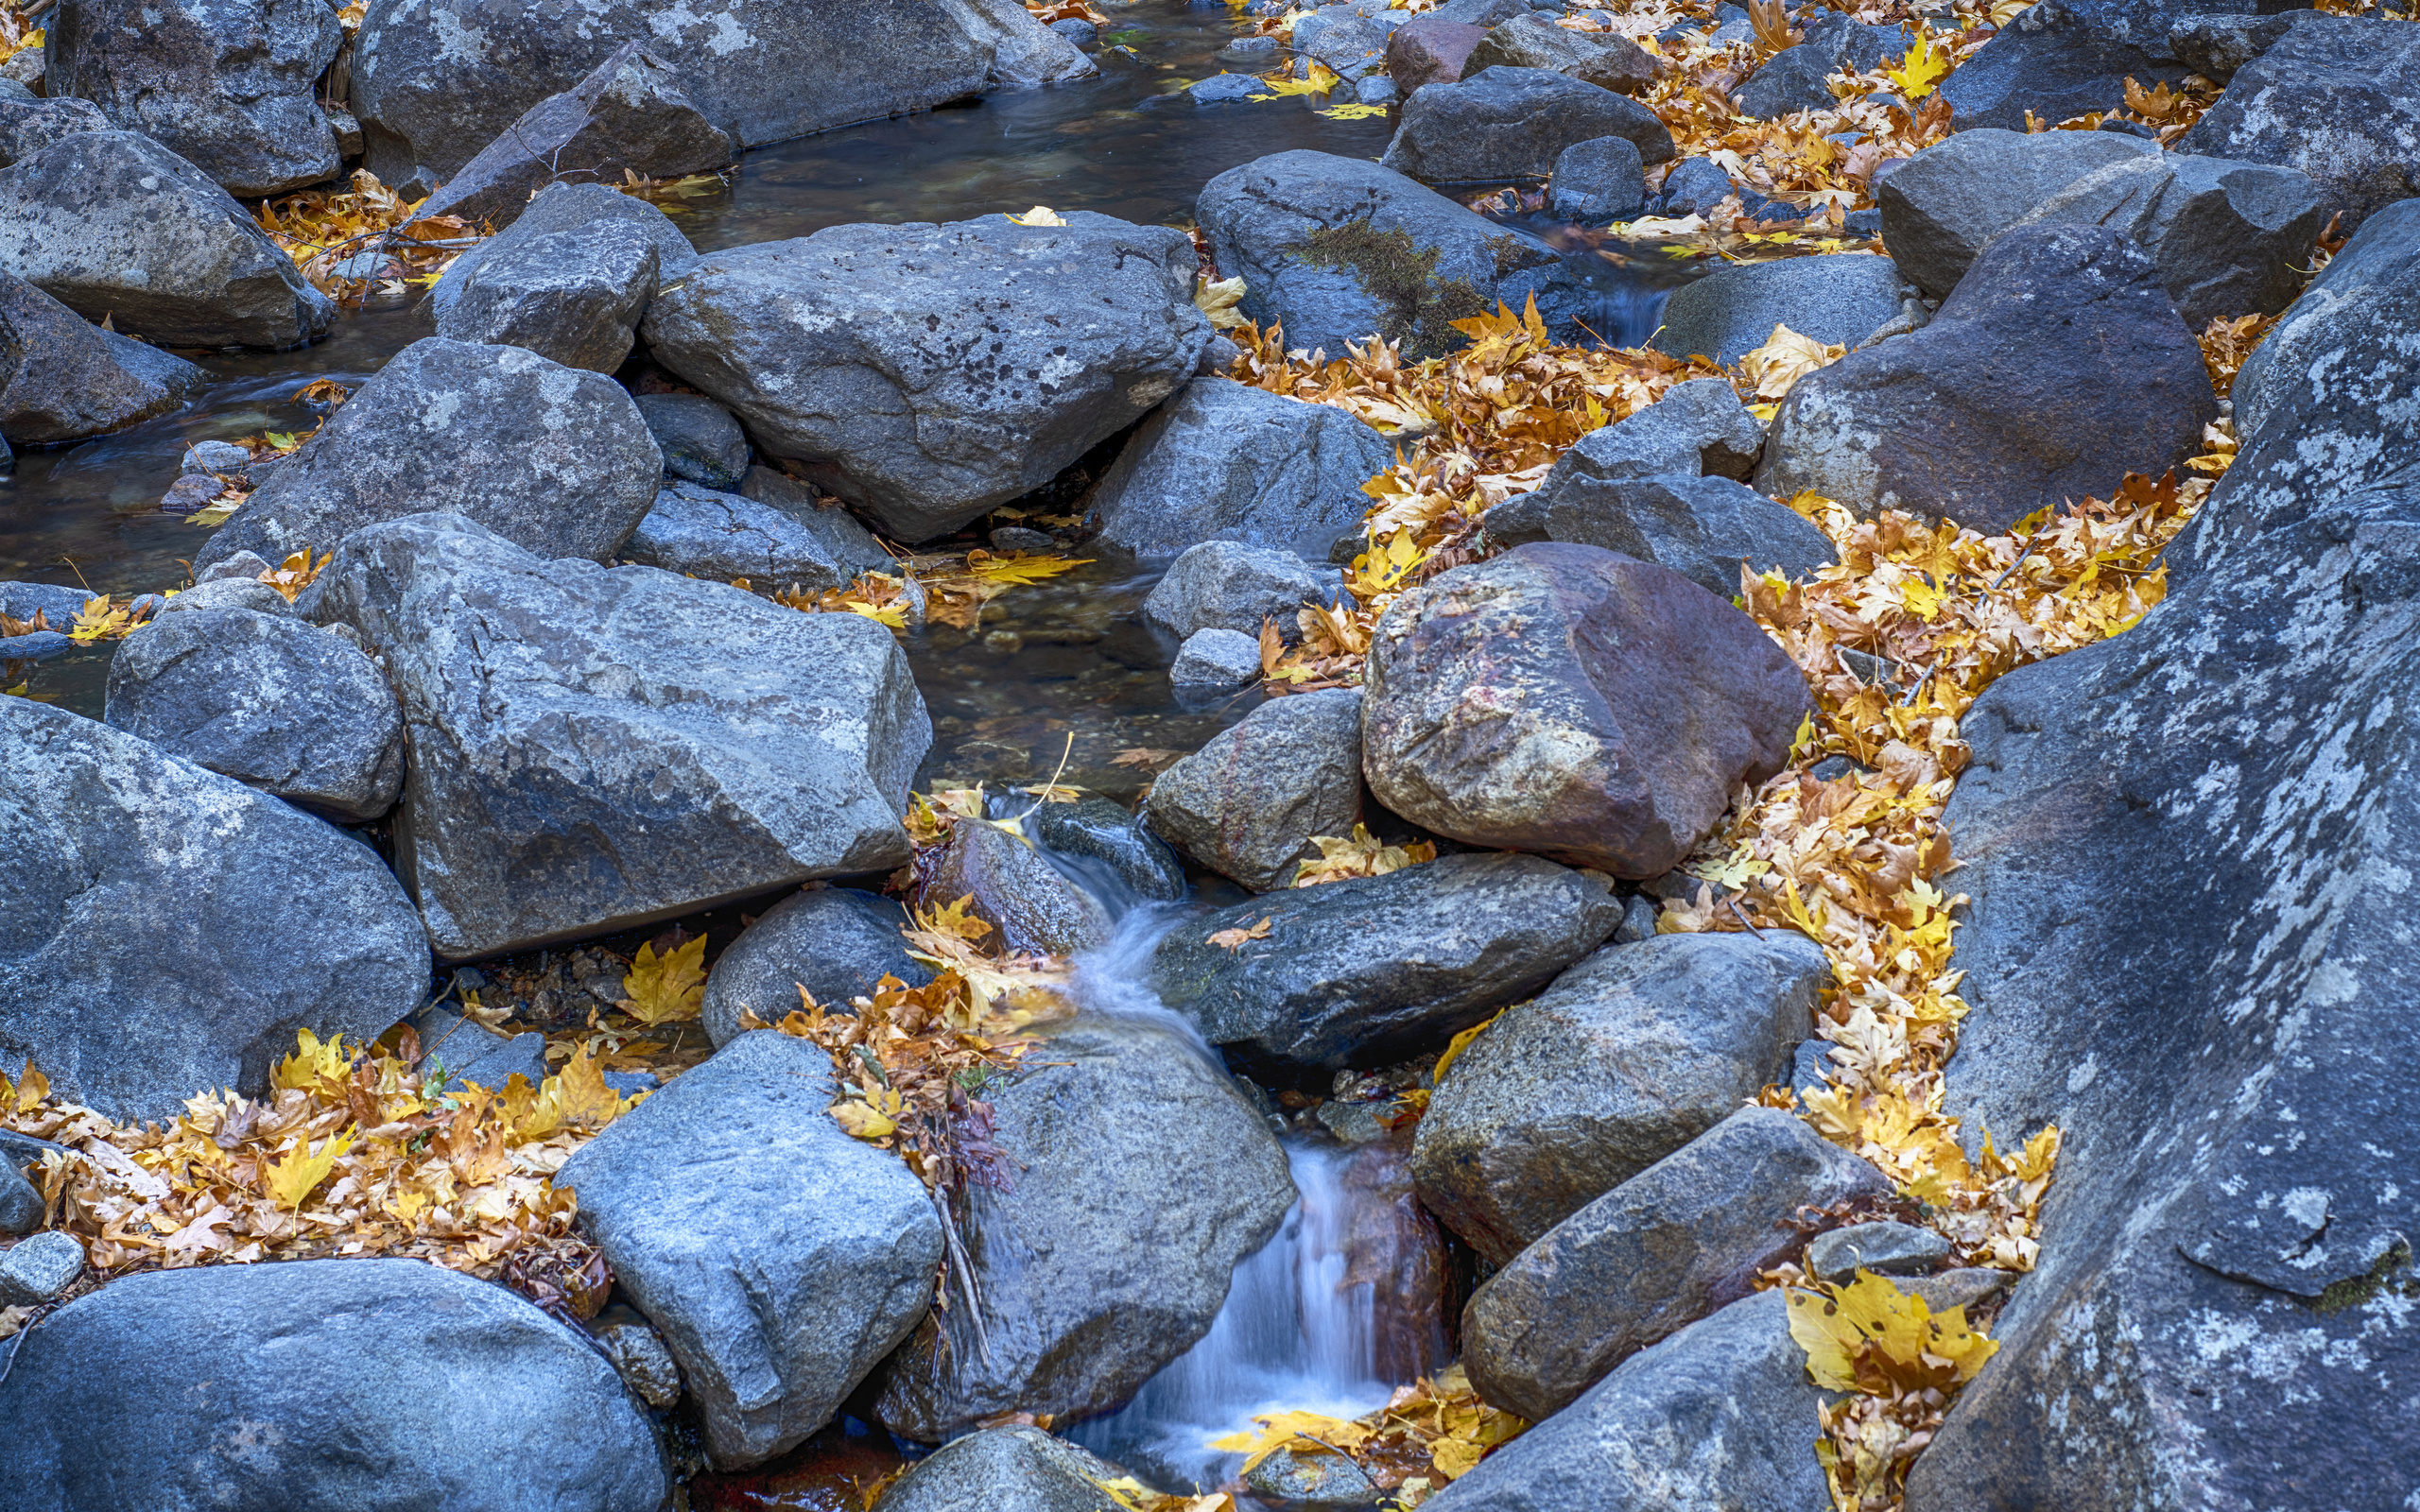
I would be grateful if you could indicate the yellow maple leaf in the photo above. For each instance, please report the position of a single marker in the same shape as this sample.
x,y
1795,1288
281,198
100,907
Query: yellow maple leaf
x,y
1869,1337
292,1178
1353,113
27,1094
1019,570
579,1092
1921,69
97,621
314,1061
1359,855
1321,82
1461,1042
665,988
1279,1429
1785,358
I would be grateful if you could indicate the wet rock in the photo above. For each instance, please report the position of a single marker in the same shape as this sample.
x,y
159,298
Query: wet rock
x,y
1335,249
29,123
1602,59
209,922
1391,1245
276,704
568,207
701,533
1651,1256
1793,79
1597,181
1720,1415
1035,908
356,1383
1005,1469
1225,461
699,440
1838,300
553,460
1313,1480
780,1258
2092,375
1341,38
1141,1179
1627,1057
1570,700
1235,586
1097,830
1942,206
1429,49
1247,803
110,223
865,354
1707,530
2065,59
22,1208
1215,661
641,746
62,379
1884,1248
226,86
1226,89
1355,973
1512,123
638,1355
573,298
59,603
40,1269
836,942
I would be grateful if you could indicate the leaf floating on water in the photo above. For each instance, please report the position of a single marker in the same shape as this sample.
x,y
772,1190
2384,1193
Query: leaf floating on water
x,y
1353,113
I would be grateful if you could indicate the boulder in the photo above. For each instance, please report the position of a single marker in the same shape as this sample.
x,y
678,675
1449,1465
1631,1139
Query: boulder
x,y
112,224
60,602
553,460
1247,803
1794,78
780,1258
227,86
836,942
1376,969
1602,59
1235,586
1884,1248
1719,1416
1033,908
699,440
207,922
278,705
638,747
1135,1178
1512,123
1095,834
1570,700
1347,42
2216,46
2331,98
705,534
27,125
1006,1469
1627,1057
1225,461
1597,181
1838,301
230,593
1215,661
1707,530
1429,49
375,1384
1697,428
1942,206
927,372
2240,766
568,207
40,1269
1651,1256
2058,366
1337,250
1313,1480
2061,58
573,298
62,379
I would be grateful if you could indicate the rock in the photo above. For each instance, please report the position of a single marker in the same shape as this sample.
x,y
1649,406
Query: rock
x,y
208,921
1256,50
1082,33
62,379
2062,59
1602,59
25,68
2216,46
1337,248
28,124
1968,1286
1699,427
1374,968
369,1383
705,534
2329,99
1142,1178
1036,909
1226,89
1216,661
836,942
1627,1057
1235,586
573,298
863,353
638,1355
1651,1256
22,1208
1622,706
1017,537
553,460
1095,833
1512,123
699,440
1313,1480
1884,1248
1005,1469
467,1051
642,746
1720,1415
242,594
1429,49
218,456
2058,366
1942,206
1837,300
1340,37
110,223
1695,186
1484,14
228,87
568,207
1705,528
1793,79
40,1268
1597,181
2237,763
1225,461
278,705
780,1258
1247,803
58,602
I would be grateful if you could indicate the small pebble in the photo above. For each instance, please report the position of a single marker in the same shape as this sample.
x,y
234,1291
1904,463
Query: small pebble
x,y
1017,537
1886,1248
40,1269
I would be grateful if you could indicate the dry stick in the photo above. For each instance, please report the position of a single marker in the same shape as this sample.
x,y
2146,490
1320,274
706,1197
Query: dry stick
x,y
964,1269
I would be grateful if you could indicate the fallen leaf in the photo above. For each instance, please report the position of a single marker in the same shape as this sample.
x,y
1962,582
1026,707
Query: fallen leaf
x,y
669,988
1233,940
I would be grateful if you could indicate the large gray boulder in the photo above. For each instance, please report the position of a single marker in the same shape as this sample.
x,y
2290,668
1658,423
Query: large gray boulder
x,y
2333,99
29,123
227,85
1942,207
2061,58
705,534
553,460
573,298
925,373
1338,249
62,378
1629,1055
1006,1469
1512,123
780,1258
1651,1256
568,207
2058,366
376,1386
2230,785
639,747
1707,530
1571,700
1795,78
1377,968
1838,301
1225,461
278,705
204,922
1533,41
1134,1178
1236,587
1247,803
836,942
112,224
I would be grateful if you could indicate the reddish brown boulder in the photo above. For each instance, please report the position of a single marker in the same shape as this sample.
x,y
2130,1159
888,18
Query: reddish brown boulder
x,y
1393,1245
1430,50
1574,701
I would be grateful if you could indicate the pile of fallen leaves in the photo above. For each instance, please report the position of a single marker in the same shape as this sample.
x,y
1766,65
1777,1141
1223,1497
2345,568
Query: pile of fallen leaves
x,y
1900,1364
356,241
1359,855
947,589
17,31
1429,1434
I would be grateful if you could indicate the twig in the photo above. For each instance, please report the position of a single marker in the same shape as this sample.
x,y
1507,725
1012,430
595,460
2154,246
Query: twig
x,y
1744,920
964,1269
